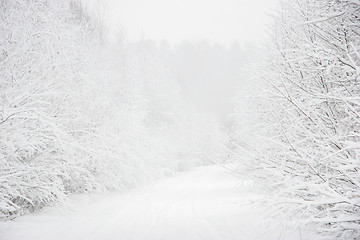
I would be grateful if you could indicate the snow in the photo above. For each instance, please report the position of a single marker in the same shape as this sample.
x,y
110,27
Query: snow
x,y
204,203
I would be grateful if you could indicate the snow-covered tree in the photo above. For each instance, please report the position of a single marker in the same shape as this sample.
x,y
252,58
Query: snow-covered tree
x,y
79,114
42,65
310,115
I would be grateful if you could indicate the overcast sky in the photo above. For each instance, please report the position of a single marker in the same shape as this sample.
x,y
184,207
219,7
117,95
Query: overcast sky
x,y
221,21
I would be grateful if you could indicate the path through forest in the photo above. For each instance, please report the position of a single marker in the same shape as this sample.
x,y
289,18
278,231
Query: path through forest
x,y
207,203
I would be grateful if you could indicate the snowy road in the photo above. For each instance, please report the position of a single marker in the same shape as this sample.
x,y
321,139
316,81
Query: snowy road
x,y
205,203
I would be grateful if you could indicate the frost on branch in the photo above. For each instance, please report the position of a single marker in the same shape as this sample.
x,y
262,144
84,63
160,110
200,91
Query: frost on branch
x,y
309,128
41,61
78,114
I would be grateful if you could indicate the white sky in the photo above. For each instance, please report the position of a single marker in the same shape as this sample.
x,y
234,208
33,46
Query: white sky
x,y
220,21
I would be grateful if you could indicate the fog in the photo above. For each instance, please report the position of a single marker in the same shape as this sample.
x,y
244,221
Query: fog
x,y
220,21
179,119
208,73
205,44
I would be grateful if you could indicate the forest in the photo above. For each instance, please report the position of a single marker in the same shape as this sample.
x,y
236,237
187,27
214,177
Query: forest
x,y
83,114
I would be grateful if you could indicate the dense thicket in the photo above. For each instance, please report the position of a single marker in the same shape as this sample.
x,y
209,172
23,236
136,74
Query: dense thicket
x,y
305,136
80,115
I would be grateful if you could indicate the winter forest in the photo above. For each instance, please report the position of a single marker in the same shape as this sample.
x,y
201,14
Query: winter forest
x,y
198,134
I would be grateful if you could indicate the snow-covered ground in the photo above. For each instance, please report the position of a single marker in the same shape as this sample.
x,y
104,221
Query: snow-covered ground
x,y
205,203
